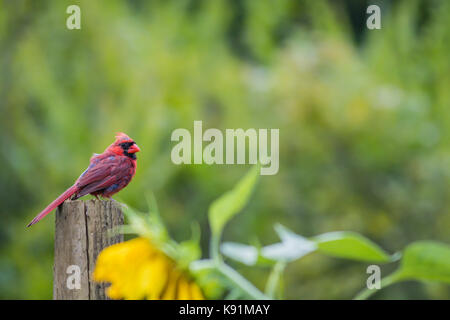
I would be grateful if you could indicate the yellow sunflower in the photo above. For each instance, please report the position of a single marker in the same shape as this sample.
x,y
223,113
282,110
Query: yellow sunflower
x,y
138,270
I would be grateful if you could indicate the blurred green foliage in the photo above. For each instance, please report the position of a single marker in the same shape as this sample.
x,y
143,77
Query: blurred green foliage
x,y
363,117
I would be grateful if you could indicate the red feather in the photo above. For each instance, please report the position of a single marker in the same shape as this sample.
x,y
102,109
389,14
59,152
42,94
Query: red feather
x,y
66,195
107,174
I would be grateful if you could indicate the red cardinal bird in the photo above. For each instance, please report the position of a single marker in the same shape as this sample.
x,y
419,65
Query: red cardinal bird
x,y
107,174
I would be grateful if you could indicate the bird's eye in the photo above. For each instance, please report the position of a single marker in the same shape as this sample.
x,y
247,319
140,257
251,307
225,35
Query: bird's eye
x,y
126,145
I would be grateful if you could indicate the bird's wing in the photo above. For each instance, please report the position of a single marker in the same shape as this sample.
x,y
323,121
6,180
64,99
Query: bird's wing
x,y
96,186
102,174
96,171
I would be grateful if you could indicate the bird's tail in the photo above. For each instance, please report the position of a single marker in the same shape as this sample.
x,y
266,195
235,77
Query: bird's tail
x,y
66,195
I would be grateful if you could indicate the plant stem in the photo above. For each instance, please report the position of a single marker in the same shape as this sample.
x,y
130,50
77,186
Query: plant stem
x,y
234,294
366,293
199,265
240,282
232,275
214,248
274,278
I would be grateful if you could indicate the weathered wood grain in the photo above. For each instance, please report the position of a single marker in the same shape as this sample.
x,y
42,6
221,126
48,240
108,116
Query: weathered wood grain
x,y
82,231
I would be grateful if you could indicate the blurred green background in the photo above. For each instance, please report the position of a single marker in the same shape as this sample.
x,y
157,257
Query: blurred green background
x,y
363,118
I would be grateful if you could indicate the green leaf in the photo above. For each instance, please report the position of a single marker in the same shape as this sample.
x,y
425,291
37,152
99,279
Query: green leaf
x,y
422,261
291,247
425,260
188,251
230,203
206,275
350,245
137,223
240,252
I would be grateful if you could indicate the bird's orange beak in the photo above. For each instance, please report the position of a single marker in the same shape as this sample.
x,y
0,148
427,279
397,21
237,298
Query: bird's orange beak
x,y
133,149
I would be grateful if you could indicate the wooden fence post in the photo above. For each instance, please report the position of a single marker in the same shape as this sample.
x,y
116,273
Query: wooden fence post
x,y
81,233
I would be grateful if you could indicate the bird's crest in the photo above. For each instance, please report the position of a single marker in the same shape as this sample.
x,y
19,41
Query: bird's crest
x,y
122,137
